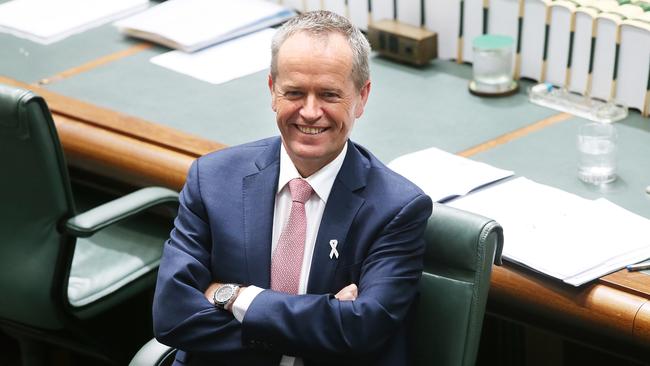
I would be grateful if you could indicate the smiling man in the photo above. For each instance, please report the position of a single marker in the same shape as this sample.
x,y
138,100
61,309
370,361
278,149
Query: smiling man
x,y
302,249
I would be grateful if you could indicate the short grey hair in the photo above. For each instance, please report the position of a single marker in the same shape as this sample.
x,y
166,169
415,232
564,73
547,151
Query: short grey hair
x,y
322,23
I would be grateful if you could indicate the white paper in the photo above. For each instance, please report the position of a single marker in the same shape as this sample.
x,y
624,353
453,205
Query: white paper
x,y
560,234
190,25
226,61
48,21
443,175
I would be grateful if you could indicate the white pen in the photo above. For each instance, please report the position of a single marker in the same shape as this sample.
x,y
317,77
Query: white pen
x,y
638,266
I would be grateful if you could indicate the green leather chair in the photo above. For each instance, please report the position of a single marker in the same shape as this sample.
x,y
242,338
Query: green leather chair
x,y
61,271
461,247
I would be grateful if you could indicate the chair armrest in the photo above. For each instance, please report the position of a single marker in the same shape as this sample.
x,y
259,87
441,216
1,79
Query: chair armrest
x,y
153,353
93,220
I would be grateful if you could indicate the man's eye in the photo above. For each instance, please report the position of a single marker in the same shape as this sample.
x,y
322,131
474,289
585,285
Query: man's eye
x,y
293,94
330,95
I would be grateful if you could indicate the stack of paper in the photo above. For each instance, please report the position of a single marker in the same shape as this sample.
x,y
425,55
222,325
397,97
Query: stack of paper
x,y
560,234
190,25
223,62
50,21
443,176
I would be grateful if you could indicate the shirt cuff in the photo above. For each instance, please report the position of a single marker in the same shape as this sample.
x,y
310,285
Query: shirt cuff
x,y
244,300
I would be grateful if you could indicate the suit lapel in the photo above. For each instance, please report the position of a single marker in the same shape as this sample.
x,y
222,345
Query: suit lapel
x,y
259,199
341,209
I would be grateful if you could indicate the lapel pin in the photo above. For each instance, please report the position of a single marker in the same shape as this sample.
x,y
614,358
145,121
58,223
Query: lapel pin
x,y
334,252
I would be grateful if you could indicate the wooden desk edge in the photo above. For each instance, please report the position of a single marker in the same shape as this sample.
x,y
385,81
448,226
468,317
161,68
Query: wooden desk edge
x,y
636,282
592,308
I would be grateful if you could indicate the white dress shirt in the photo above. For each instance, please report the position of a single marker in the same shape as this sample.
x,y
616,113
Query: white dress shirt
x,y
321,182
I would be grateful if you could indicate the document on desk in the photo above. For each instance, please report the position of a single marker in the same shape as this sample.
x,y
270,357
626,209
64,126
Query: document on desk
x,y
443,175
46,22
224,62
560,234
190,25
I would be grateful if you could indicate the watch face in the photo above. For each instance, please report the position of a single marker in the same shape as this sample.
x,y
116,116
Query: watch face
x,y
223,294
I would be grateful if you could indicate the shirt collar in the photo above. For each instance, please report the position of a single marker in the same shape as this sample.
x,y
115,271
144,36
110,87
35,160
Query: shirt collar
x,y
321,181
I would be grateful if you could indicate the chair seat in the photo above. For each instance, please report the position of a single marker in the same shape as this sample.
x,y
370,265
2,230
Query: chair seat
x,y
103,264
116,255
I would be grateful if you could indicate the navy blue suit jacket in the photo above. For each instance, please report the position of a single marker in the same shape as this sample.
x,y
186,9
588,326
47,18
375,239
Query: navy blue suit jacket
x,y
223,233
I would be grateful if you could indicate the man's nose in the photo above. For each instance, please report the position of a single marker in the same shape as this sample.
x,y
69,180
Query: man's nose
x,y
311,109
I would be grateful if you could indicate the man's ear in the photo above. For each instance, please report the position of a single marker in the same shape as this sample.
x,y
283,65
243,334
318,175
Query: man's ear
x,y
272,93
363,93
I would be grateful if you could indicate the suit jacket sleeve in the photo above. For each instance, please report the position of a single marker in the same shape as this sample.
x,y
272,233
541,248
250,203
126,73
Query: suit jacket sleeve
x,y
316,326
183,317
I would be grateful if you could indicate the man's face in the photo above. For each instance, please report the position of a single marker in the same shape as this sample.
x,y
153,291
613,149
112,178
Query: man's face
x,y
315,99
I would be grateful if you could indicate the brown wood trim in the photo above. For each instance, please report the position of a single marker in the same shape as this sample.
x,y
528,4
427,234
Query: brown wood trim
x,y
96,63
136,128
642,322
515,134
111,154
637,282
594,308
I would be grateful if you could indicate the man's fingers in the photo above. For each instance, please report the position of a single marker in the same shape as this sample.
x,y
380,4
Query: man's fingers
x,y
348,293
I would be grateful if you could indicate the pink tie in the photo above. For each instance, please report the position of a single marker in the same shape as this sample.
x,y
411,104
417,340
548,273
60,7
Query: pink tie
x,y
286,262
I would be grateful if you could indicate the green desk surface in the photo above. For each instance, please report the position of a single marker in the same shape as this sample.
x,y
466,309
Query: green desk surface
x,y
408,109
550,156
29,62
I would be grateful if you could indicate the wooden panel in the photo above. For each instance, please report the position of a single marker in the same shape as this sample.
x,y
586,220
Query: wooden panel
x,y
593,308
637,282
114,155
642,322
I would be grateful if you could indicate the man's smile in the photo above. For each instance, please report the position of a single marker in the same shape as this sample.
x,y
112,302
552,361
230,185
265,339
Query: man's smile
x,y
311,130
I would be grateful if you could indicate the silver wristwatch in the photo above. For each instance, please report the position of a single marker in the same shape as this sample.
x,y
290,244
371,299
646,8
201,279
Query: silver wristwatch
x,y
225,294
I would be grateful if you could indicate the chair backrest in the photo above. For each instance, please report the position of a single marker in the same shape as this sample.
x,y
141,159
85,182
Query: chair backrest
x,y
35,194
460,250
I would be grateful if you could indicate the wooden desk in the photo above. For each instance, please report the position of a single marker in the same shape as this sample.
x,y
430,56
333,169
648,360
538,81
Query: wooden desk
x,y
409,109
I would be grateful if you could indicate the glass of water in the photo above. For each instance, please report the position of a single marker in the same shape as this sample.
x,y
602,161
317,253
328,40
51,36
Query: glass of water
x,y
492,64
597,153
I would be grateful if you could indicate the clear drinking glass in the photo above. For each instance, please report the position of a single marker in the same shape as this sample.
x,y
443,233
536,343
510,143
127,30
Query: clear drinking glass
x,y
492,64
597,153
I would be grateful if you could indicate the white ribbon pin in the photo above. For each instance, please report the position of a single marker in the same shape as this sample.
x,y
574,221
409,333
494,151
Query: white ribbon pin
x,y
334,252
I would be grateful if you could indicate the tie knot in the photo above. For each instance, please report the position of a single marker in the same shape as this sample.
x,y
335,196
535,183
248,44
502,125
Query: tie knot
x,y
300,190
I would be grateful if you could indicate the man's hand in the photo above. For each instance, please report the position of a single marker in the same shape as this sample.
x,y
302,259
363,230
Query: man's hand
x,y
209,292
348,293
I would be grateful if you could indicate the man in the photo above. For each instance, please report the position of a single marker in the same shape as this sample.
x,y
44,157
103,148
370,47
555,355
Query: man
x,y
299,250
